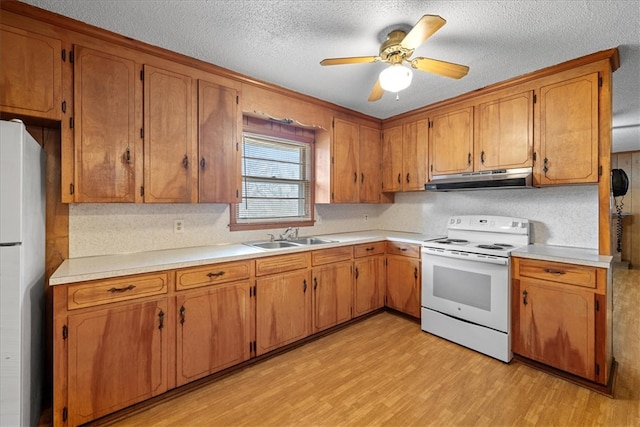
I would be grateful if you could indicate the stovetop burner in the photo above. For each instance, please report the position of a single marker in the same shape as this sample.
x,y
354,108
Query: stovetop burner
x,y
492,247
453,241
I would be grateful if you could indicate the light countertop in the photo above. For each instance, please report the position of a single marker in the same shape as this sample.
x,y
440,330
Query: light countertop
x,y
102,267
566,254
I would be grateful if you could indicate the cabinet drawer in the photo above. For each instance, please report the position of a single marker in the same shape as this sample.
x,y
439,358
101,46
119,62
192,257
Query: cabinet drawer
x,y
579,275
98,292
367,249
404,249
326,256
280,263
212,274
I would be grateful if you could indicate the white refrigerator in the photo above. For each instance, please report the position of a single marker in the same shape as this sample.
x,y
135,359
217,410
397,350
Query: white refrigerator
x,y
22,270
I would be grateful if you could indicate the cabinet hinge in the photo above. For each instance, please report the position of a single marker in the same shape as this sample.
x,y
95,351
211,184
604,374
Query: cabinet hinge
x,y
430,124
71,56
237,99
64,413
237,194
65,332
64,106
431,167
255,290
64,55
597,369
142,190
141,132
71,188
71,123
535,98
597,305
250,346
332,197
600,82
237,147
142,75
333,123
600,170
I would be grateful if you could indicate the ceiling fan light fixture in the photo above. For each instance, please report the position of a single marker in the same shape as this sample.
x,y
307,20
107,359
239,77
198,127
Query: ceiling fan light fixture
x,y
395,78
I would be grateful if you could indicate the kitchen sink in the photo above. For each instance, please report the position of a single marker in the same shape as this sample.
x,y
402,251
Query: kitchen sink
x,y
311,241
279,244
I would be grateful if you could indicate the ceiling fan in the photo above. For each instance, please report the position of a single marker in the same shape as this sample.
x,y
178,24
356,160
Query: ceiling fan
x,y
397,50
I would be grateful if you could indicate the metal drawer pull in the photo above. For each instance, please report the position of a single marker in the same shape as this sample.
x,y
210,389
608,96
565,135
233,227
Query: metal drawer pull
x,y
370,249
125,289
218,274
551,271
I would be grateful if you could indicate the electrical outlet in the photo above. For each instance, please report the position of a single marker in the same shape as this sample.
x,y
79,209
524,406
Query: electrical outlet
x,y
178,226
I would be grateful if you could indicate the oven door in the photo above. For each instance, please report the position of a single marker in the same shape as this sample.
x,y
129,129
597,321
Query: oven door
x,y
474,289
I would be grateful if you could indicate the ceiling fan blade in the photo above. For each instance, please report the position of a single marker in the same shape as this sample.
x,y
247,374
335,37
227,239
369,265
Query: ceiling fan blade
x,y
349,60
376,92
426,26
447,69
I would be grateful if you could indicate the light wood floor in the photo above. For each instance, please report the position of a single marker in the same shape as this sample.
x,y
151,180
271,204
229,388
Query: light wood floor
x,y
386,371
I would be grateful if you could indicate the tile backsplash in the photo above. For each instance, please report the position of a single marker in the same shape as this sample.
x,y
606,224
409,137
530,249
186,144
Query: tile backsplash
x,y
566,216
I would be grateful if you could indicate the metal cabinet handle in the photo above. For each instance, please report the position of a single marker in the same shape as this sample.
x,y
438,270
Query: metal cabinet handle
x,y
119,290
355,177
304,288
217,274
202,163
185,162
552,271
161,320
371,248
469,159
482,157
415,272
524,297
545,168
182,310
407,176
357,272
361,177
127,155
399,180
315,283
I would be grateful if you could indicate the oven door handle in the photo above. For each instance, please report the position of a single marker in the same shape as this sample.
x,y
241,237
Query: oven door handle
x,y
428,252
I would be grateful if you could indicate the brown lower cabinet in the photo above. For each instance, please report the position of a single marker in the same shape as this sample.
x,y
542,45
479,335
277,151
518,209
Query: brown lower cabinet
x,y
404,278
123,340
560,317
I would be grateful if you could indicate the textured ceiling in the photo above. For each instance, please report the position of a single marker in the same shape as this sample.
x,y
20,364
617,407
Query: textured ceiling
x,y
283,41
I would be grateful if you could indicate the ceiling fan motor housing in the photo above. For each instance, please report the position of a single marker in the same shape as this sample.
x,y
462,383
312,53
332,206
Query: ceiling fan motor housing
x,y
392,51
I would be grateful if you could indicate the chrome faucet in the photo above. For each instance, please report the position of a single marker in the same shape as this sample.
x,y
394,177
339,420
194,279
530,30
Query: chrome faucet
x,y
289,233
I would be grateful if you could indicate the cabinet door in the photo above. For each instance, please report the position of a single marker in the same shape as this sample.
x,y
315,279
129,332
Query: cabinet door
x,y
556,326
345,182
117,357
170,163
332,288
568,132
392,159
30,75
414,155
106,134
504,133
370,152
283,304
368,289
403,284
219,177
213,330
451,142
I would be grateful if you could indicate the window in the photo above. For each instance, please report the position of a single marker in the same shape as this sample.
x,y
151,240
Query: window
x,y
276,183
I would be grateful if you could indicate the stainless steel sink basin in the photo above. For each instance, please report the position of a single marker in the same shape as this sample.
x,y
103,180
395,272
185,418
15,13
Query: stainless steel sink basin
x,y
278,244
311,241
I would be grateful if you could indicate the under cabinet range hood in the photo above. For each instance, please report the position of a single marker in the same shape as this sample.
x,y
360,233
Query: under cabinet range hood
x,y
500,178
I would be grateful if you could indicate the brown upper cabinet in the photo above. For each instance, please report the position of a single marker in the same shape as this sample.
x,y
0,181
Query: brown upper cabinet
x,y
107,115
451,141
404,159
31,74
503,137
567,131
219,121
348,164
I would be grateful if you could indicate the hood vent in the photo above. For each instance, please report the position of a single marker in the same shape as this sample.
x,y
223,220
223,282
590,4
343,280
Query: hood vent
x,y
500,178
